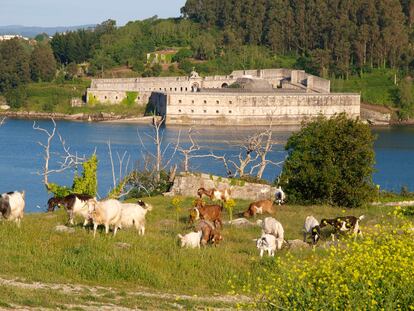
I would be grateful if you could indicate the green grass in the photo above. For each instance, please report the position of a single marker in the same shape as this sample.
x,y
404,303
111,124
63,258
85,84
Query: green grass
x,y
376,87
35,252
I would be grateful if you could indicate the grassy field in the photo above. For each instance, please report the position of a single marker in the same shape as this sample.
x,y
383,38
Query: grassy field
x,y
155,262
376,87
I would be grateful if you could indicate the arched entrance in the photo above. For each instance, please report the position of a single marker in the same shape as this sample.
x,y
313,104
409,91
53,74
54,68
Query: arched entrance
x,y
224,85
195,87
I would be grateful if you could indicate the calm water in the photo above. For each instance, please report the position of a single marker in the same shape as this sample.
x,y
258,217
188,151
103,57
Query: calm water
x,y
21,157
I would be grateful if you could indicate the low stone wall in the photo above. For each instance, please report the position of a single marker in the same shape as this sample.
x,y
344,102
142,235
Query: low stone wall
x,y
188,184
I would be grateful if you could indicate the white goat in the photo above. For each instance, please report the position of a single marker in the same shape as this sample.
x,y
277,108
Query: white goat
x,y
311,227
108,212
267,242
134,215
191,240
13,204
272,226
280,196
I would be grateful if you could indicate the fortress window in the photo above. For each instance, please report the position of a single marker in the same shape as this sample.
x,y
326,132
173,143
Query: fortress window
x,y
181,89
230,111
205,111
205,101
217,111
170,88
192,110
180,101
139,97
230,102
192,101
217,102
179,110
160,89
106,97
186,89
116,97
175,89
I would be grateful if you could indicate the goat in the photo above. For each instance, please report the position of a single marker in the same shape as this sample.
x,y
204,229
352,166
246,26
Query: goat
x,y
191,240
267,242
210,234
343,224
259,207
134,215
280,196
74,204
12,206
311,226
207,212
272,226
108,212
214,194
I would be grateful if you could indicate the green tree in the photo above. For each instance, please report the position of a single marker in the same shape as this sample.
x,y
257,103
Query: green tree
x,y
330,161
42,63
405,99
204,47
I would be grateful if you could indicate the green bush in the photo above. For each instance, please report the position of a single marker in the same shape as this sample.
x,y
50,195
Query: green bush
x,y
330,161
145,183
130,99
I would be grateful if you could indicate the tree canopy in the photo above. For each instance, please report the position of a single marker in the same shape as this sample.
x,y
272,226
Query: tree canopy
x,y
330,161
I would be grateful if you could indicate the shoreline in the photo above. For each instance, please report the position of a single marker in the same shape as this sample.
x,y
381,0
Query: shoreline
x,y
111,118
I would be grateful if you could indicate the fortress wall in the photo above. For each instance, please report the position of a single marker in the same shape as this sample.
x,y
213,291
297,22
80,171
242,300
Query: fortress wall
x,y
319,84
252,109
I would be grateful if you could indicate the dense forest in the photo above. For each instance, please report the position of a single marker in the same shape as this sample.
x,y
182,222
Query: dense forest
x,y
338,39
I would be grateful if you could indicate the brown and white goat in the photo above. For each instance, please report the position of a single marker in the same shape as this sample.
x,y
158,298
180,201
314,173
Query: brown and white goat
x,y
259,207
210,234
206,212
215,194
74,204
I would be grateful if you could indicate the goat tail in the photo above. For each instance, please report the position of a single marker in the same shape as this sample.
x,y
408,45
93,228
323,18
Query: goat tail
x,y
361,217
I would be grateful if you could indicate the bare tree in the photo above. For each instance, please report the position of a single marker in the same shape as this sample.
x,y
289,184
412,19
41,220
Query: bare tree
x,y
68,159
2,121
187,153
123,176
159,157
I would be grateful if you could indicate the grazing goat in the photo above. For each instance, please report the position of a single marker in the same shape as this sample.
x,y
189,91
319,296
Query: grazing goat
x,y
207,212
214,194
311,226
12,206
74,204
267,242
134,215
191,240
343,224
259,207
272,226
280,196
210,234
108,212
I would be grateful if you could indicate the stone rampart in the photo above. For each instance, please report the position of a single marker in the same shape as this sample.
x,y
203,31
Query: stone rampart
x,y
187,184
224,108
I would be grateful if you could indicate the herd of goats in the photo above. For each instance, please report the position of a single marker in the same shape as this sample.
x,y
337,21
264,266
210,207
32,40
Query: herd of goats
x,y
206,218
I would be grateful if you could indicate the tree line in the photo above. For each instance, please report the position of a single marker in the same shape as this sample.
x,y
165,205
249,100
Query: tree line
x,y
336,36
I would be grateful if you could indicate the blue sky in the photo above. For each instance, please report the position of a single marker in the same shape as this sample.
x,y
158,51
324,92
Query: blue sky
x,y
80,12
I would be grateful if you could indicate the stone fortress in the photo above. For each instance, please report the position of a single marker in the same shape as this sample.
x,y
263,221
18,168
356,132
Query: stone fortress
x,y
245,97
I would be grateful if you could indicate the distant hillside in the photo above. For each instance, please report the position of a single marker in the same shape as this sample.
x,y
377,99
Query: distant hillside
x,y
32,31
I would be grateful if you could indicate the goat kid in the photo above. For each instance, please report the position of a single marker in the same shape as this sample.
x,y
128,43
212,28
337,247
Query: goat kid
x,y
267,242
214,194
259,207
191,240
313,228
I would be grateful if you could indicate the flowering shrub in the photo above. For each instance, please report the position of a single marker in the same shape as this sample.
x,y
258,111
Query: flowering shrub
x,y
372,273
